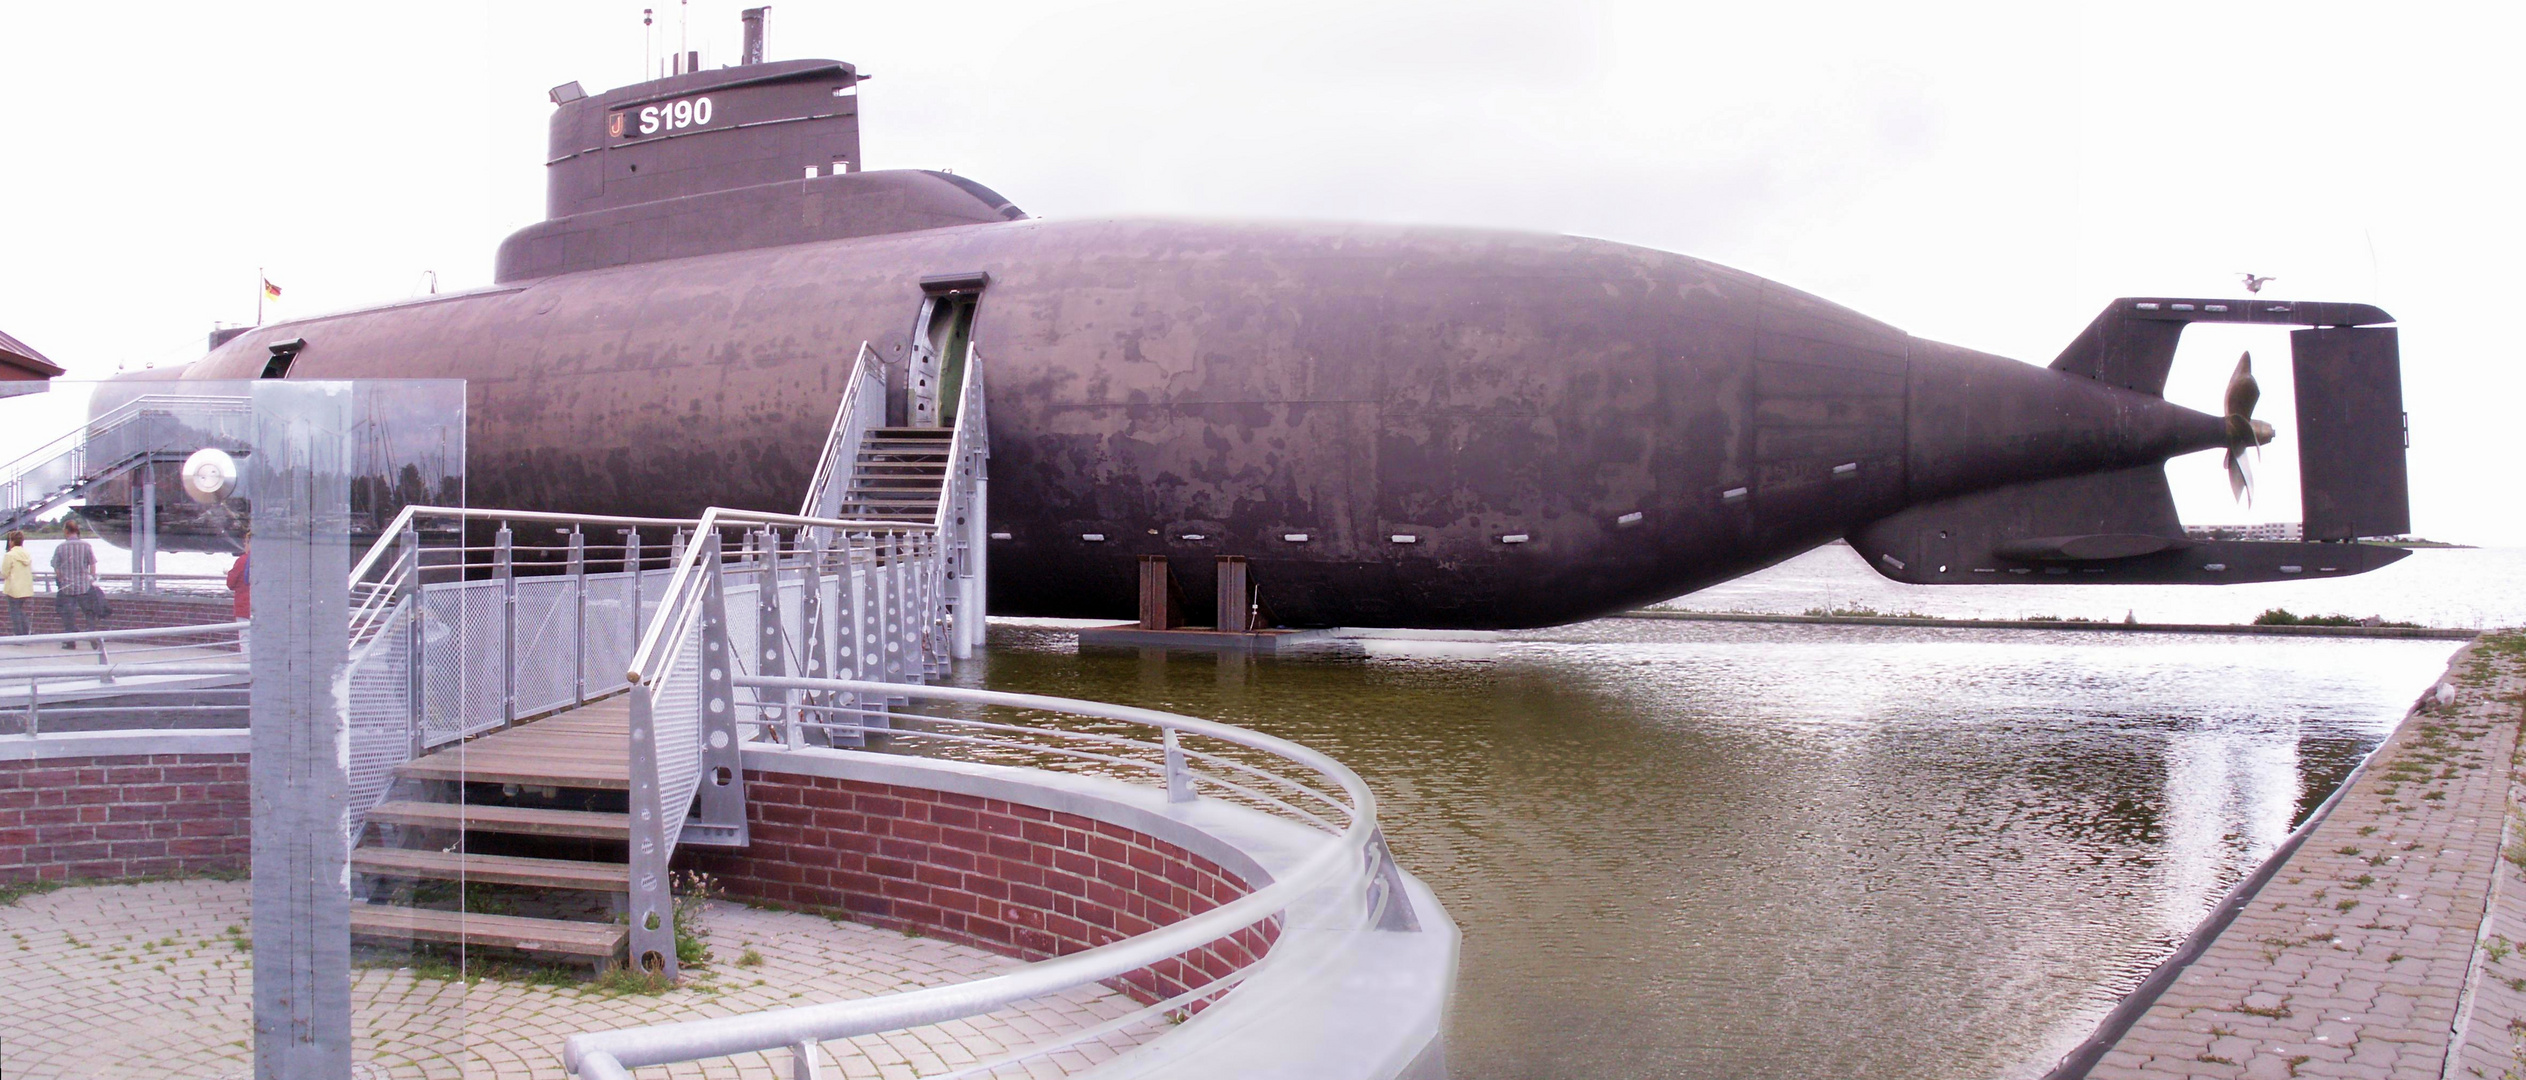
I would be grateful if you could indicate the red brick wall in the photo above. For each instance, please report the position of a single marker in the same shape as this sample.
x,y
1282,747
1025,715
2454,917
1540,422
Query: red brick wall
x,y
1011,878
130,612
119,817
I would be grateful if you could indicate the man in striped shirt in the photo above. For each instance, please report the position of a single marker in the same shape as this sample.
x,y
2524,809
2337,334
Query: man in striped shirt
x,y
74,582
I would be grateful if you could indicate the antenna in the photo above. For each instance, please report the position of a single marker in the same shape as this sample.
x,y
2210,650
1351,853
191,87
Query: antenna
x,y
683,28
648,41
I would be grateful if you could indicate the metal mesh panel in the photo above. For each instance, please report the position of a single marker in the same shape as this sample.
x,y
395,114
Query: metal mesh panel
x,y
793,607
463,642
381,689
547,655
743,621
653,587
609,631
676,722
837,622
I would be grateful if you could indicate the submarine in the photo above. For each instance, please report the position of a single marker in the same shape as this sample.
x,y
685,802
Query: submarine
x,y
1392,426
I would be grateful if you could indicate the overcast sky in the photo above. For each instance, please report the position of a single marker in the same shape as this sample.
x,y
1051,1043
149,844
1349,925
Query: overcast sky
x,y
1985,175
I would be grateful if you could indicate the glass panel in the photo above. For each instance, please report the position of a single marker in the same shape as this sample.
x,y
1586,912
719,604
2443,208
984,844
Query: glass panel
x,y
187,768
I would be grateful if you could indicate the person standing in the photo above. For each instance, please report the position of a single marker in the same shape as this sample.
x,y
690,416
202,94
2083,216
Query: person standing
x,y
74,582
241,583
17,580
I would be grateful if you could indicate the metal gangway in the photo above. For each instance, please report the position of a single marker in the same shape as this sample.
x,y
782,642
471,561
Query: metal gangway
x,y
466,622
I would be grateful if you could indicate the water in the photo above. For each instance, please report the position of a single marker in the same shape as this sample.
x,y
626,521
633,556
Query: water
x,y
1733,850
2462,587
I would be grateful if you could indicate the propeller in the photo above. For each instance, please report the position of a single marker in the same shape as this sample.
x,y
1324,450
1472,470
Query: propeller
x,y
2243,429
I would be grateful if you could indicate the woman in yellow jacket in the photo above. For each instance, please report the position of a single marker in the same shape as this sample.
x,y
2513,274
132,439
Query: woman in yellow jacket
x,y
17,580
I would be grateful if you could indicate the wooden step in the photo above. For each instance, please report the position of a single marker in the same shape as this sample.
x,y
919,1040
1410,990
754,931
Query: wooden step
x,y
529,770
601,942
492,869
512,820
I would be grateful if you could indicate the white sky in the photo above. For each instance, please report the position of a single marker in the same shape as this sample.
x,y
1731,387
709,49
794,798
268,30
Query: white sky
x,y
1984,175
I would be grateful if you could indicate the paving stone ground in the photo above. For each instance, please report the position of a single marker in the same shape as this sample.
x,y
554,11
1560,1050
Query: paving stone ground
x,y
2388,947
150,980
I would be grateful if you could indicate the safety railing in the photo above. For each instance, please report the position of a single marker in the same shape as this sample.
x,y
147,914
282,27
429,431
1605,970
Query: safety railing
x,y
183,676
863,410
452,637
962,525
123,584
1348,881
757,595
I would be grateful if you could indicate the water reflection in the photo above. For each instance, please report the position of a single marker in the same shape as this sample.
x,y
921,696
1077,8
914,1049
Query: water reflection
x,y
1728,850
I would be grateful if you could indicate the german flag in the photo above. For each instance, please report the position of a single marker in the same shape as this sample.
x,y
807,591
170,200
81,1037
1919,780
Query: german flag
x,y
271,291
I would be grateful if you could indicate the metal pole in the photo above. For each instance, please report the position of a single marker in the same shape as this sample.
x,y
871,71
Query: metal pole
x,y
890,607
978,557
417,656
720,810
769,656
813,661
960,638
578,616
505,572
145,532
1179,778
631,562
652,908
861,649
804,1063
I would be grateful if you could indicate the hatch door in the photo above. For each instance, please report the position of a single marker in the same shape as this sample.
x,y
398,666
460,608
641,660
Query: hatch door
x,y
942,342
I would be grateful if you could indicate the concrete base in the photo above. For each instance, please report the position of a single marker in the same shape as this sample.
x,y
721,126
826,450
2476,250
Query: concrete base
x,y
1252,641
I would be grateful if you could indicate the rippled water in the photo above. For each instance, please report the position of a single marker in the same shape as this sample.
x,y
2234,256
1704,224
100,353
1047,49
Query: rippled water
x,y
2463,587
1730,850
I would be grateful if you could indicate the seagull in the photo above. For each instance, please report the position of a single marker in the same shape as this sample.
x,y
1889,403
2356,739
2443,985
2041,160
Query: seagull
x,y
2254,284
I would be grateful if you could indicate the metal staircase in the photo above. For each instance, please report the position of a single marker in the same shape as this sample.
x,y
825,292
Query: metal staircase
x,y
477,823
515,841
897,474
150,430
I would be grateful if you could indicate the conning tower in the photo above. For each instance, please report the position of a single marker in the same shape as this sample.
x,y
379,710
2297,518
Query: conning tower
x,y
757,155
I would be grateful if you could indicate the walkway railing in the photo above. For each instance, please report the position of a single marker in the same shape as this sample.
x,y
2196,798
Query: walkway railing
x,y
452,638
758,595
1185,757
863,410
962,525
192,675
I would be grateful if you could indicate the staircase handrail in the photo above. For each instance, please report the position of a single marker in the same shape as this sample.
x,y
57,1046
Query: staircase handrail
x,y
684,587
972,436
370,598
864,391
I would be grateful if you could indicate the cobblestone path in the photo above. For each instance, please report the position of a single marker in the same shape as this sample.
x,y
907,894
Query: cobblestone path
x,y
2369,953
154,980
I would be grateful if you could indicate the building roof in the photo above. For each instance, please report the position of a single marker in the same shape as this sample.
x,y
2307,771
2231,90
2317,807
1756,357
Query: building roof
x,y
19,355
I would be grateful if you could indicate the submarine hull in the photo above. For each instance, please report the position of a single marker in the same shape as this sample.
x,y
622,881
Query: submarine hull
x,y
1415,427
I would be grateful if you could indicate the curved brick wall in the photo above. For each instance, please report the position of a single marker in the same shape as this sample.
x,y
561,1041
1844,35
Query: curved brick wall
x,y
123,816
1015,879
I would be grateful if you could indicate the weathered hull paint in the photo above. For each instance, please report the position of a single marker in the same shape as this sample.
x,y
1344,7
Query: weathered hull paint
x,y
1152,381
